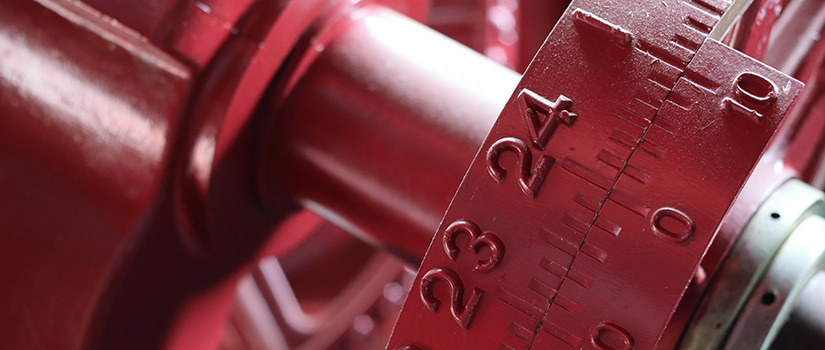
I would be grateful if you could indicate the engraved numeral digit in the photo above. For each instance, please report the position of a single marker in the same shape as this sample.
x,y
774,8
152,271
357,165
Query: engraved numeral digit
x,y
672,224
530,177
554,113
752,92
478,239
755,89
608,336
463,313
542,118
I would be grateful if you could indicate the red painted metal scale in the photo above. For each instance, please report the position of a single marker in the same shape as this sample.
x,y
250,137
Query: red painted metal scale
x,y
601,186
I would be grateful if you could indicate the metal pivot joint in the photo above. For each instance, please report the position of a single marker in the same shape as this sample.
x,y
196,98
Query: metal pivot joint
x,y
265,174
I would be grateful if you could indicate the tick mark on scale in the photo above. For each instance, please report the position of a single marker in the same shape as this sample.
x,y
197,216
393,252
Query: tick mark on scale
x,y
624,37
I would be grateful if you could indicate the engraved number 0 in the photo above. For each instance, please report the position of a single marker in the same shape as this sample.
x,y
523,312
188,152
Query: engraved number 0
x,y
478,239
752,92
755,89
463,313
680,226
530,180
609,336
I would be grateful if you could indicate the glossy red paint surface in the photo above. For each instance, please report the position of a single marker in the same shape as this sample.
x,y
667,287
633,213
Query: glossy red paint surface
x,y
410,111
88,110
153,152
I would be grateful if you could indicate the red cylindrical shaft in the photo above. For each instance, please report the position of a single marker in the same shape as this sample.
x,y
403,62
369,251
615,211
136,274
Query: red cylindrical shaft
x,y
382,126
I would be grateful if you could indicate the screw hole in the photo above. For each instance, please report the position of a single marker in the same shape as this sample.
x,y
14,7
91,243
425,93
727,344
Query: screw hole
x,y
768,298
775,215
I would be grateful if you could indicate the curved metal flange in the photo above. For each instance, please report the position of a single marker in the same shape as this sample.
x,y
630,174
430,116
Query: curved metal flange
x,y
767,254
776,295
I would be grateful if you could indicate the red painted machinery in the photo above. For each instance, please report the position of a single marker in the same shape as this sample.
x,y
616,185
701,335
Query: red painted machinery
x,y
273,174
